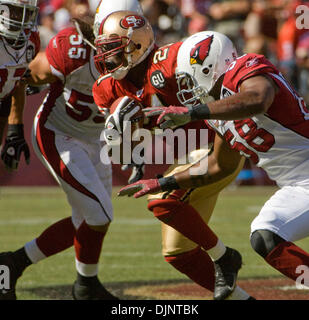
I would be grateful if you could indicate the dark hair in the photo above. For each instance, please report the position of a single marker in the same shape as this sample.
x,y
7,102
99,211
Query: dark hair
x,y
85,28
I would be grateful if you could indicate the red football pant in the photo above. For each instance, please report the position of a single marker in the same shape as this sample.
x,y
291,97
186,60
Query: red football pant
x,y
62,235
286,257
196,265
186,220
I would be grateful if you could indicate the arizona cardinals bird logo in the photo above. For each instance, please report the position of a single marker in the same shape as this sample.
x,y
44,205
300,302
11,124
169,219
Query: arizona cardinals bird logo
x,y
201,51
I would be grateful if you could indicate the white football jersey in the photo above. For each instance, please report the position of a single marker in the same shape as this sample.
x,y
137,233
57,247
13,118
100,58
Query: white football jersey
x,y
69,107
14,63
277,141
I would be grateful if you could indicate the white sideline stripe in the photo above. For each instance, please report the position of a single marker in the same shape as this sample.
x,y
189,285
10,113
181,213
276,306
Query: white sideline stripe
x,y
27,221
286,288
35,221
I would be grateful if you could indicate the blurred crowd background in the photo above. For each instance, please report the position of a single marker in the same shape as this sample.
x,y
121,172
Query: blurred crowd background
x,y
255,26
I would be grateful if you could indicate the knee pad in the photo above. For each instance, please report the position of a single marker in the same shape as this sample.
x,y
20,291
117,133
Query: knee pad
x,y
264,241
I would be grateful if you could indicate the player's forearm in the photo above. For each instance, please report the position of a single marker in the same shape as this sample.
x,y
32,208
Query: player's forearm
x,y
40,71
205,172
3,122
17,108
41,79
239,106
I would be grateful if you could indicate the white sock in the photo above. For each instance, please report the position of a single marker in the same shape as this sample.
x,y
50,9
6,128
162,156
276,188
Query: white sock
x,y
238,294
86,270
33,251
217,251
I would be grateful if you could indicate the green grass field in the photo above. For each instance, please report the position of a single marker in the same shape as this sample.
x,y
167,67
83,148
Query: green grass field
x,y
131,253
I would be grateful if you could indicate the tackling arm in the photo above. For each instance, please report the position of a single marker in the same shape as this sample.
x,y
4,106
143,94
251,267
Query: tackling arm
x,y
255,96
220,164
40,71
18,102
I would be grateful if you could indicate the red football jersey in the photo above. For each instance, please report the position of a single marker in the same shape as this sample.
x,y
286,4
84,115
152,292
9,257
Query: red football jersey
x,y
160,86
67,52
69,106
278,140
14,63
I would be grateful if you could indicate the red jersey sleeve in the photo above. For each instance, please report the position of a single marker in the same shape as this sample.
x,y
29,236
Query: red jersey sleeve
x,y
103,93
246,66
67,51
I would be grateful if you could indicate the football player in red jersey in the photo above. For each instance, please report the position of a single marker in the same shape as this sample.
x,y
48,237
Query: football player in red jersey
x,y
19,44
132,65
66,138
257,115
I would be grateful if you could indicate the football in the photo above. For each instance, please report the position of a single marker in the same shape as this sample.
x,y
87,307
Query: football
x,y
127,109
126,116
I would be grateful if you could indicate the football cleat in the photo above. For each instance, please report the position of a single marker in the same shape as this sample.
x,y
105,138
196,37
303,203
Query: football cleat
x,y
6,259
226,269
95,291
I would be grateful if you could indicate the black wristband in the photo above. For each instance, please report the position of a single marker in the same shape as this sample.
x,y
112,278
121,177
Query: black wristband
x,y
168,183
199,112
15,130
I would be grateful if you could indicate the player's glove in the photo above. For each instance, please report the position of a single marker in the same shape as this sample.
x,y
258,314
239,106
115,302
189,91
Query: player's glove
x,y
169,117
176,116
15,144
143,187
31,90
137,173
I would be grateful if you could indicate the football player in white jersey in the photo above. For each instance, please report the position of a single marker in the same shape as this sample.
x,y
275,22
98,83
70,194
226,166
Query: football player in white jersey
x,y
257,115
66,138
19,44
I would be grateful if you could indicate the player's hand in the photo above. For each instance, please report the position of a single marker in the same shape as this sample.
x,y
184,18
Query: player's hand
x,y
169,117
137,173
140,188
15,144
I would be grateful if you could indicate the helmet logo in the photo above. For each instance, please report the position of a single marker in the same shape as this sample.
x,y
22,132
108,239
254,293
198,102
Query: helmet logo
x,y
98,7
132,21
200,52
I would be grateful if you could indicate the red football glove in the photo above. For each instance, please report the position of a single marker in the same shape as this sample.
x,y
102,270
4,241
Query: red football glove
x,y
140,188
169,117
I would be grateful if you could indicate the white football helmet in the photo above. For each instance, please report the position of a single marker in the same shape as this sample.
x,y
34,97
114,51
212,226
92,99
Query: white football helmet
x,y
106,7
201,60
124,40
17,19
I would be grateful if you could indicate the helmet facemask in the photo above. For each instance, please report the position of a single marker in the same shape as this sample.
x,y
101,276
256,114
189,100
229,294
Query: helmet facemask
x,y
113,54
190,93
16,22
